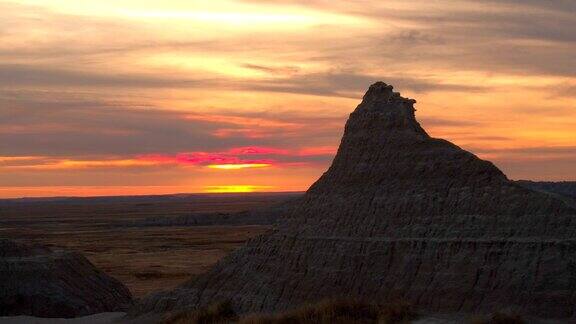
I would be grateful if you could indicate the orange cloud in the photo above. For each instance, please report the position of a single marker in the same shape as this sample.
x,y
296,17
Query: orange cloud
x,y
243,121
46,163
240,132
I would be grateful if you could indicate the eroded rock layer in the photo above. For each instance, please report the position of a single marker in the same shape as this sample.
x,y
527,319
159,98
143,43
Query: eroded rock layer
x,y
38,281
401,214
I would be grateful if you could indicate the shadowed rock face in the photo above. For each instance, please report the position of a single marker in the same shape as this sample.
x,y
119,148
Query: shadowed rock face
x,y
401,214
38,281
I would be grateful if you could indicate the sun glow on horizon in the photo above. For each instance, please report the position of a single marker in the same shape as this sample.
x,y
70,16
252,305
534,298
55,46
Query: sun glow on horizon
x,y
236,188
238,166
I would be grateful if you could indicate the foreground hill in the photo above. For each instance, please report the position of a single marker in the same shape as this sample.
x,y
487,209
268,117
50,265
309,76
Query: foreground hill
x,y
401,214
38,281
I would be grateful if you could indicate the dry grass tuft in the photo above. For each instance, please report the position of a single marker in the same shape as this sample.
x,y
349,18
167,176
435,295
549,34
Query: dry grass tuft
x,y
218,313
338,312
500,318
397,312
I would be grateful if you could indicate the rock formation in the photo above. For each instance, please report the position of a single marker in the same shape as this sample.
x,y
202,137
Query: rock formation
x,y
401,214
38,281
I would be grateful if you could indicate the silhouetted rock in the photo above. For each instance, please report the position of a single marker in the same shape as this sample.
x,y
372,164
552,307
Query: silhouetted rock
x,y
401,214
38,281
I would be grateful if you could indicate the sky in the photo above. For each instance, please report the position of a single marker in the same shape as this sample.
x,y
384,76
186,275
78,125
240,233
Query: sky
x,y
102,97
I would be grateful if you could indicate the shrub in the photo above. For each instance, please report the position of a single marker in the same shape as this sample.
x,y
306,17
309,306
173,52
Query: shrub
x,y
500,318
216,313
338,312
397,312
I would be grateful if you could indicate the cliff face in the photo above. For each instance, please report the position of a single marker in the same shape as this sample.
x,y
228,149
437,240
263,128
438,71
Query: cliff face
x,y
401,214
38,281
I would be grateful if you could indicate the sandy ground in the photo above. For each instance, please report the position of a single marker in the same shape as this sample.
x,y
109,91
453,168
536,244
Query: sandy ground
x,y
117,318
102,318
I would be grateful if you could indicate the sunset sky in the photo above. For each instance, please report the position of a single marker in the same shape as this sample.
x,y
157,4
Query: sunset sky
x,y
102,97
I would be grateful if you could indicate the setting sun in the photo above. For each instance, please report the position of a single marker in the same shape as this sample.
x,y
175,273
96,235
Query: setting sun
x,y
236,188
238,166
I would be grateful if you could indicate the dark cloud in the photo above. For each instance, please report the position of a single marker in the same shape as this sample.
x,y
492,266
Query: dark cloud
x,y
18,75
443,122
93,177
560,6
533,163
344,84
538,151
63,49
44,124
349,84
490,138
76,128
509,36
553,169
273,69
563,90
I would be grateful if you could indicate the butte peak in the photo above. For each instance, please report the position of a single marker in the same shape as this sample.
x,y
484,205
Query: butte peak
x,y
381,97
383,109
400,214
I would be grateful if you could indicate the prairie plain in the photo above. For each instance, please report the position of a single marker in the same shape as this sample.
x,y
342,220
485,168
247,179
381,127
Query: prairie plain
x,y
144,258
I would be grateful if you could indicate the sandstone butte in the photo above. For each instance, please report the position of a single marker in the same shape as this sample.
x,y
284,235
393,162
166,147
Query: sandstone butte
x,y
400,214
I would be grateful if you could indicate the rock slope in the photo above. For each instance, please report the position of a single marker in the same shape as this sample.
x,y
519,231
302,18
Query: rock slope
x,y
402,214
38,281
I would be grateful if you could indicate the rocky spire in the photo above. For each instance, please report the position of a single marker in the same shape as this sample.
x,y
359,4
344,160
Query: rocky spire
x,y
385,147
381,97
399,213
384,111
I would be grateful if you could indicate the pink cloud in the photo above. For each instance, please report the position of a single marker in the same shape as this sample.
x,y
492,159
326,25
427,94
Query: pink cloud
x,y
245,155
202,159
258,150
320,150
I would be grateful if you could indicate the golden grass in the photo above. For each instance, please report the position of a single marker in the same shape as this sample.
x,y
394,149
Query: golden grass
x,y
499,318
332,311
338,311
218,313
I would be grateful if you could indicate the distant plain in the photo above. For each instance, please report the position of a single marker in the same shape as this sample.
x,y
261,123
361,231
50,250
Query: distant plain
x,y
145,259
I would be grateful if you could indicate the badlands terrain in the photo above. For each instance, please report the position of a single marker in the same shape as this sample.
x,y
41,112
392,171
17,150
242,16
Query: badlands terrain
x,y
399,218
